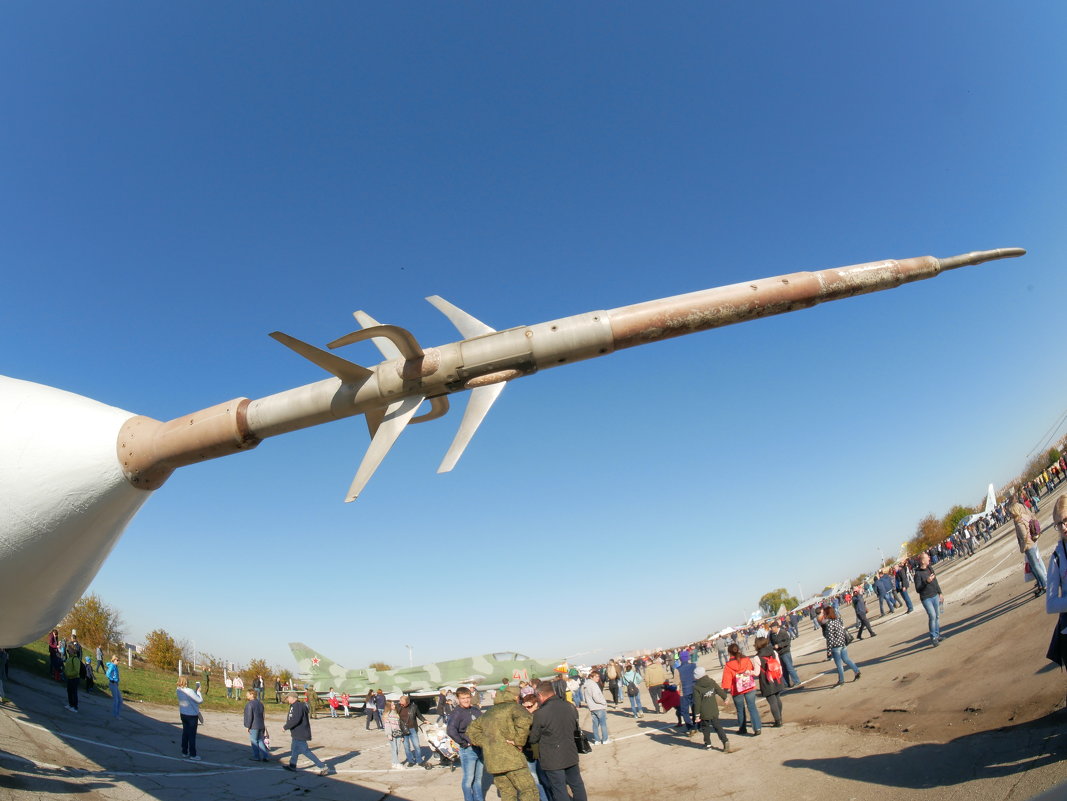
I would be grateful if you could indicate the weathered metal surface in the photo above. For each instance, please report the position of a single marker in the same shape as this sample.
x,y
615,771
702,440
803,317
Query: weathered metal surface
x,y
150,450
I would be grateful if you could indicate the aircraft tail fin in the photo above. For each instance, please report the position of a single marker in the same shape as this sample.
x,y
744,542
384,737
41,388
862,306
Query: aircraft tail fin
x,y
990,500
313,667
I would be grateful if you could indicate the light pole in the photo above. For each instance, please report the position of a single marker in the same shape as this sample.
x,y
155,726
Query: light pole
x,y
411,659
882,563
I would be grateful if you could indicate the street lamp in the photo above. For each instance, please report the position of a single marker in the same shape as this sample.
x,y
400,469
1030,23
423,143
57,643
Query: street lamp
x,y
411,659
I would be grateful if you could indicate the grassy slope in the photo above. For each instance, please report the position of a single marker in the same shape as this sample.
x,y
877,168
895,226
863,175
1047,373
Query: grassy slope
x,y
139,683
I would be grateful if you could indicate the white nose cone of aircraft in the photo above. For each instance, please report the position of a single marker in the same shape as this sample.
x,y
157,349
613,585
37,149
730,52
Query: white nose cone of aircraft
x,y
65,502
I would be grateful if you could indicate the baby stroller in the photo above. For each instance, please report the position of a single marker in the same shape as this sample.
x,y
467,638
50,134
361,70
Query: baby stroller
x,y
442,745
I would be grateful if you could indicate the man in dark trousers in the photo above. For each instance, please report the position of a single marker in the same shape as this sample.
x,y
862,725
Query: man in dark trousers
x,y
299,726
554,726
930,595
861,613
470,756
256,726
902,583
783,644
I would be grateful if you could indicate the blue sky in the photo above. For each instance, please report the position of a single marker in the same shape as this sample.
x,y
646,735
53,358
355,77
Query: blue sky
x,y
176,181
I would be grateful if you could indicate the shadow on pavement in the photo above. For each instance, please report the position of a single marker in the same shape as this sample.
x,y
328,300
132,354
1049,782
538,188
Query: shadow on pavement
x,y
50,750
1005,752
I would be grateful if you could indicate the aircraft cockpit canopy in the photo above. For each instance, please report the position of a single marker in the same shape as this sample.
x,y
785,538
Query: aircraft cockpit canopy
x,y
509,656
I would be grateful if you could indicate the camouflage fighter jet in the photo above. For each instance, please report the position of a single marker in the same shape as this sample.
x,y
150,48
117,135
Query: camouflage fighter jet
x,y
421,680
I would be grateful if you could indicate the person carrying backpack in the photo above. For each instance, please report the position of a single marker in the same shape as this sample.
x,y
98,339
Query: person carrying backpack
x,y
630,680
770,678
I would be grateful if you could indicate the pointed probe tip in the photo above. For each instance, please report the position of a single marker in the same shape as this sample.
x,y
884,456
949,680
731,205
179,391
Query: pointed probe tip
x,y
980,256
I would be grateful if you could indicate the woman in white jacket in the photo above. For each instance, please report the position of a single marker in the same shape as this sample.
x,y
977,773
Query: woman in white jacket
x,y
189,702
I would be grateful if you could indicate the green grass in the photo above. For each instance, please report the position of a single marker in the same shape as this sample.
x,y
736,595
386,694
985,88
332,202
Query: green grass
x,y
142,682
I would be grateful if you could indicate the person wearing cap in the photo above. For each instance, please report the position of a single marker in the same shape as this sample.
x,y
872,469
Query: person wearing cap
x,y
705,688
685,677
502,733
72,668
298,724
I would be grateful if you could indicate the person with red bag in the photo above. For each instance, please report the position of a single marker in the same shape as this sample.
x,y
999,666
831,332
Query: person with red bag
x,y
739,676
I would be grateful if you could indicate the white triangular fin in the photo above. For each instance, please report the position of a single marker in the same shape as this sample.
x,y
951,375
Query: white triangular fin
x,y
374,419
396,418
468,326
477,406
330,362
383,344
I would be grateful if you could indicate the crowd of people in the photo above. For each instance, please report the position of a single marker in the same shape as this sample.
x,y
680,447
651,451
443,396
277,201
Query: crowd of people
x,y
529,739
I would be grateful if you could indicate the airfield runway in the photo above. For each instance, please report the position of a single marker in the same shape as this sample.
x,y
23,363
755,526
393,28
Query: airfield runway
x,y
981,717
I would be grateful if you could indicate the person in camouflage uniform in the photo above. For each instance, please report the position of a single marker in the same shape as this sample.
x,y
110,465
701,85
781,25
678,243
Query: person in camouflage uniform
x,y
501,733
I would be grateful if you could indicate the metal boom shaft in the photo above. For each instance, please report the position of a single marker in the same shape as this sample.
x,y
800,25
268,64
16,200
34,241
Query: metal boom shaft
x,y
390,393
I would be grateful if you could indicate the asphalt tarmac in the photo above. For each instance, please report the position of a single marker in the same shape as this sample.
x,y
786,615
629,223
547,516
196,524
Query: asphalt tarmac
x,y
979,717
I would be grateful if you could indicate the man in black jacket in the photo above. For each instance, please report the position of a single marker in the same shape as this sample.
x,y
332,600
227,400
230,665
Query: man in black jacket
x,y
254,722
930,595
783,644
861,613
554,726
298,724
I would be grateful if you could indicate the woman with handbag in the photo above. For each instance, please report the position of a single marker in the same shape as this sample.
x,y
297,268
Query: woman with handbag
x,y
739,676
1027,530
837,640
391,720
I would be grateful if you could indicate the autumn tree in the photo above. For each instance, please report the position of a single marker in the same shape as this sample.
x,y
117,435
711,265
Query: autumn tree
x,y
161,650
770,602
380,666
284,674
952,519
257,667
97,623
927,534
212,662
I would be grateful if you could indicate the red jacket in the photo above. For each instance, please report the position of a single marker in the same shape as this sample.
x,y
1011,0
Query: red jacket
x,y
735,666
670,699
